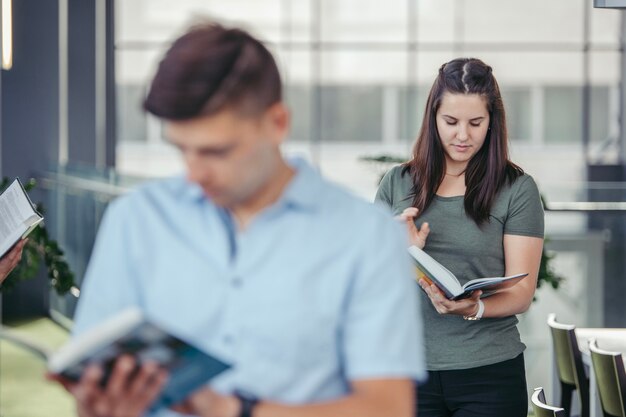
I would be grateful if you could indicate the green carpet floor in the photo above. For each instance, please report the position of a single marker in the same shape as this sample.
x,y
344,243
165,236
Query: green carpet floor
x,y
24,392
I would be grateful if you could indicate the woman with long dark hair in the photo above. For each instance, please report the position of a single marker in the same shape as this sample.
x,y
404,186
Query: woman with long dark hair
x,y
477,213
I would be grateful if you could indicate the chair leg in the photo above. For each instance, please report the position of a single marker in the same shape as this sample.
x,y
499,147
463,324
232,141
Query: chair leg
x,y
584,399
566,398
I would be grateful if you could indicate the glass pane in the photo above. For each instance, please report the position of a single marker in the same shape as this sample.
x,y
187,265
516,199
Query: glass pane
x,y
600,114
412,102
427,66
134,68
530,68
363,20
157,21
518,112
351,113
298,97
295,69
296,20
357,67
563,118
605,26
435,21
522,21
605,67
131,119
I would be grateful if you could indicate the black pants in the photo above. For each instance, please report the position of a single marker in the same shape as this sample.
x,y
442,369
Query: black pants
x,y
497,390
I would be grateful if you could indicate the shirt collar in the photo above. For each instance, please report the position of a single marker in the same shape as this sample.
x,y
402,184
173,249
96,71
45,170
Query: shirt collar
x,y
302,190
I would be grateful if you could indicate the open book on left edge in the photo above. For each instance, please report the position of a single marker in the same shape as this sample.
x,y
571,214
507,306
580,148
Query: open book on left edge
x,y
18,216
129,332
435,273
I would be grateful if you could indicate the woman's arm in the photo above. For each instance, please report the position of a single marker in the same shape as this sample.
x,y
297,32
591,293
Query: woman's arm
x,y
521,254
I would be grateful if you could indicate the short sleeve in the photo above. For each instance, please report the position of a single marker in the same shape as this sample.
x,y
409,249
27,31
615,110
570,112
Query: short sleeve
x,y
382,331
109,283
384,194
525,215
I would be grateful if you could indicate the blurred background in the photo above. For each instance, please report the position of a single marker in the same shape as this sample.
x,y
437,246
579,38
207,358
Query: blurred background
x,y
356,75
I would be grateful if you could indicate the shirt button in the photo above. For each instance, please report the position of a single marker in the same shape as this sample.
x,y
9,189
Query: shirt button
x,y
228,339
237,282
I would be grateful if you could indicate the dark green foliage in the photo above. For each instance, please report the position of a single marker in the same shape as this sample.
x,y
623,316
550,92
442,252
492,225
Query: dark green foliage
x,y
40,247
546,272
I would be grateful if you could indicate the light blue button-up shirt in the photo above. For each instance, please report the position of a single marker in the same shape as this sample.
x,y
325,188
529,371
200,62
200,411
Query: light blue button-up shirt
x,y
317,291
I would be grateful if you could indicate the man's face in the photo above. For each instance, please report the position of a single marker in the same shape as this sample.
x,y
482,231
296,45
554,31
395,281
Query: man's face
x,y
229,156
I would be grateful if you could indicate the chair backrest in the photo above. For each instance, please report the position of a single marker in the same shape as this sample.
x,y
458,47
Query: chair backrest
x,y
569,361
541,409
610,379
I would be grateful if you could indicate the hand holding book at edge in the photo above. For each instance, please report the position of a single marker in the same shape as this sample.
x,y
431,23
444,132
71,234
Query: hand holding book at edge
x,y
11,259
417,236
466,307
128,392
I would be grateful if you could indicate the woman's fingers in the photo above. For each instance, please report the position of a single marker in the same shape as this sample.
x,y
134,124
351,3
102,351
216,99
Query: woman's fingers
x,y
424,231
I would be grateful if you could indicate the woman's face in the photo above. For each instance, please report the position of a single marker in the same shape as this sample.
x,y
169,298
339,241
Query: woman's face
x,y
462,123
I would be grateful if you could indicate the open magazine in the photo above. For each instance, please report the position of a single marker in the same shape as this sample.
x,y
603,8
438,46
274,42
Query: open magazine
x,y
435,273
18,216
129,332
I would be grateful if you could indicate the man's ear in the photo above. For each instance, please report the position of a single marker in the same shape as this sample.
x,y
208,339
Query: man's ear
x,y
278,119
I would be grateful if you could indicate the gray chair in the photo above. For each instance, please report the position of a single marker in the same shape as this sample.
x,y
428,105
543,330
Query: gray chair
x,y
610,380
541,409
569,366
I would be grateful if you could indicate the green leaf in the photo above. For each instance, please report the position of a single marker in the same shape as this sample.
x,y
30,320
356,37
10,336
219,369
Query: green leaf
x,y
40,247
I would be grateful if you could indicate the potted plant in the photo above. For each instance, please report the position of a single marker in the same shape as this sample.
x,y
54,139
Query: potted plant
x,y
40,247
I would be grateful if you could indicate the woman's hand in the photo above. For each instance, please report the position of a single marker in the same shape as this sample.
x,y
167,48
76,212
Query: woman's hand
x,y
11,259
417,236
465,307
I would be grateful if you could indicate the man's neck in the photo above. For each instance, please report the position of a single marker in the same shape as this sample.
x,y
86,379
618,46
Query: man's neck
x,y
265,197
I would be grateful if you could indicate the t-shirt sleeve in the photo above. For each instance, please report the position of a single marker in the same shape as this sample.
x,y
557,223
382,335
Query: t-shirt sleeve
x,y
382,331
384,195
525,216
109,285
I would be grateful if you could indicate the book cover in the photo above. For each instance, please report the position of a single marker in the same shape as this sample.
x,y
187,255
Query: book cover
x,y
131,333
435,273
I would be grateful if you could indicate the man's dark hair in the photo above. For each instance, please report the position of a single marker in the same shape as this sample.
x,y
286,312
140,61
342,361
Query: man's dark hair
x,y
211,68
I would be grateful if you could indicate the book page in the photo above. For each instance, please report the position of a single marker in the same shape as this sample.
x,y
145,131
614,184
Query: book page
x,y
16,215
15,209
498,283
437,273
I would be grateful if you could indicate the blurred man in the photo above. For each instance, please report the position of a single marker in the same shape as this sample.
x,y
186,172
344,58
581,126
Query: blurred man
x,y
307,290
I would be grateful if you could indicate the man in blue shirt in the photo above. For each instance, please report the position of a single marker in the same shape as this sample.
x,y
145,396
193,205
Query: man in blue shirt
x,y
307,290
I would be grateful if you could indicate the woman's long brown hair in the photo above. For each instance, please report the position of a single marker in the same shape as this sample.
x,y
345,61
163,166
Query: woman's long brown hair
x,y
490,169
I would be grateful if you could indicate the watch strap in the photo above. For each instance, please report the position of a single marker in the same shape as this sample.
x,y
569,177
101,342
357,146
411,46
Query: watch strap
x,y
248,403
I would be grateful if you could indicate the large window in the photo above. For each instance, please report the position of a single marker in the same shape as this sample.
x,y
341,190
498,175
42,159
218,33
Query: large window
x,y
357,73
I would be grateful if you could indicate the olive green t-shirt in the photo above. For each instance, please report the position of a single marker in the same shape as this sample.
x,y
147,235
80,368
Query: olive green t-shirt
x,y
469,252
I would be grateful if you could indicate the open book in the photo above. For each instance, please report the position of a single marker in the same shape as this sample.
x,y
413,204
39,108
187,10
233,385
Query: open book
x,y
433,272
18,216
128,332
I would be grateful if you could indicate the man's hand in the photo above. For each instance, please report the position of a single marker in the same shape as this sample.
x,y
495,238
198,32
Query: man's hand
x,y
128,393
208,403
11,259
417,236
